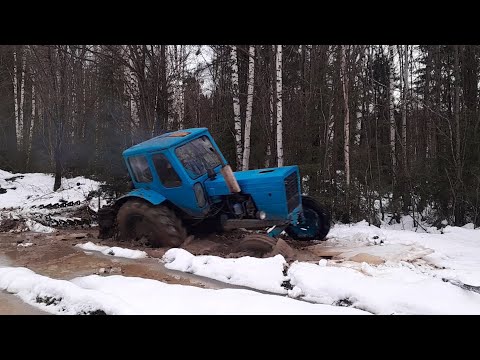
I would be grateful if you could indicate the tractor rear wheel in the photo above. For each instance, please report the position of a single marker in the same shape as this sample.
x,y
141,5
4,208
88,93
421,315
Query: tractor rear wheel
x,y
315,224
158,224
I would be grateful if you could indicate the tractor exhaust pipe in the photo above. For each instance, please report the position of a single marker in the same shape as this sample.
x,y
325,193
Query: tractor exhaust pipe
x,y
230,179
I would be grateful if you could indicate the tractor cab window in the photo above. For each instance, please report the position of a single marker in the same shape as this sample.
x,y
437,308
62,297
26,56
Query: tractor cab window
x,y
198,156
166,173
140,169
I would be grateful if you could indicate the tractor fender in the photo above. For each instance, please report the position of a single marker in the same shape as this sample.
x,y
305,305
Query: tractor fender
x,y
150,196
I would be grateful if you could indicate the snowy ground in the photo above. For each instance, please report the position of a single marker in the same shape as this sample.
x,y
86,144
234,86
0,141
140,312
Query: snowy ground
x,y
31,197
410,281
117,295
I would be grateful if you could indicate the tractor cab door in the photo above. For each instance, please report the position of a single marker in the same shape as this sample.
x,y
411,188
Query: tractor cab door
x,y
172,187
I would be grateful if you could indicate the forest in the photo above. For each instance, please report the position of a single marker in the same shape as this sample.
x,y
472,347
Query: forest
x,y
378,131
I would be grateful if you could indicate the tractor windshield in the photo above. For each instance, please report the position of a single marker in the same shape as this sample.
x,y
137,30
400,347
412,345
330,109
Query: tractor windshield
x,y
198,156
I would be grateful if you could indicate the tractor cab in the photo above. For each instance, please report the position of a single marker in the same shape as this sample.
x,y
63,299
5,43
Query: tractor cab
x,y
173,167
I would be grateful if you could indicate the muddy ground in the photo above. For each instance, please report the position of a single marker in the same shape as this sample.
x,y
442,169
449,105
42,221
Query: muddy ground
x,y
55,255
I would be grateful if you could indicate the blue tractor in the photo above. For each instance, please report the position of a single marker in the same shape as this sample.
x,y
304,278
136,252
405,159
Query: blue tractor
x,y
181,180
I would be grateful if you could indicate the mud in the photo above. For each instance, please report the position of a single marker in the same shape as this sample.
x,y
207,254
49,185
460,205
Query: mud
x,y
55,255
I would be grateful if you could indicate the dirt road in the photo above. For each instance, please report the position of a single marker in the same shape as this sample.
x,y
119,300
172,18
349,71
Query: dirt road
x,y
56,256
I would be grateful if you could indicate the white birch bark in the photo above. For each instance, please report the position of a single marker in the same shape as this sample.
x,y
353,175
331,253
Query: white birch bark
x,y
279,107
404,103
32,122
392,110
346,147
358,126
15,91
248,114
236,107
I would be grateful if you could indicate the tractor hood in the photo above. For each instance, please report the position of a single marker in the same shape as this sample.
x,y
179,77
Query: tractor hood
x,y
260,179
274,190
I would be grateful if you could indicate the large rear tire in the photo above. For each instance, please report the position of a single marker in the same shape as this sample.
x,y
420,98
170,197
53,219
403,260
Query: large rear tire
x,y
315,224
158,224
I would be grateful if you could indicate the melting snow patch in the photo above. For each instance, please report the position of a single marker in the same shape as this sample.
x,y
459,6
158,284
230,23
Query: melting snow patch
x,y
25,244
262,274
37,227
382,290
113,251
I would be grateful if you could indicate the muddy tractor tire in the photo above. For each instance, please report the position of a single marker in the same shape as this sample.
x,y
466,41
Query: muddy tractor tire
x,y
159,225
315,225
106,222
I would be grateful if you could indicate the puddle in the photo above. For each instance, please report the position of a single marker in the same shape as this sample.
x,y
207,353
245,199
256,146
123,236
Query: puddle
x,y
12,305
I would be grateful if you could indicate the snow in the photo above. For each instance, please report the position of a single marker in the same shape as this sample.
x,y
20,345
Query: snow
x,y
25,244
455,251
36,189
408,281
31,196
37,227
383,290
113,251
262,274
119,295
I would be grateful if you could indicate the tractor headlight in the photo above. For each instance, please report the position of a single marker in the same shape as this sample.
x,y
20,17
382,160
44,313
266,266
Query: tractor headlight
x,y
261,215
200,195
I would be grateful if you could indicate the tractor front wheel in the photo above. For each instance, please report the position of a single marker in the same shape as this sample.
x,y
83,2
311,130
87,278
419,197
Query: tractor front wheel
x,y
158,224
315,224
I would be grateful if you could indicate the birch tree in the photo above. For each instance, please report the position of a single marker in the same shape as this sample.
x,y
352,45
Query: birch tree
x,y
391,89
346,134
236,107
248,114
279,107
404,105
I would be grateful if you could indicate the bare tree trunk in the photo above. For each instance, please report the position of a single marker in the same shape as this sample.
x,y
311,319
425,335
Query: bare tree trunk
x,y
458,204
392,112
236,107
346,147
457,106
270,103
248,115
404,106
279,107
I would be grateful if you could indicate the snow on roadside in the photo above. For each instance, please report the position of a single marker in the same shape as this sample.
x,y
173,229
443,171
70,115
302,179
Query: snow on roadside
x,y
113,251
37,227
34,189
381,290
56,296
456,250
131,295
31,196
261,274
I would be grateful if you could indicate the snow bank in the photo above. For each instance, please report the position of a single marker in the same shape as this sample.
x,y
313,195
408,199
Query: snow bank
x,y
262,274
113,251
382,290
34,189
31,196
37,227
131,295
56,296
